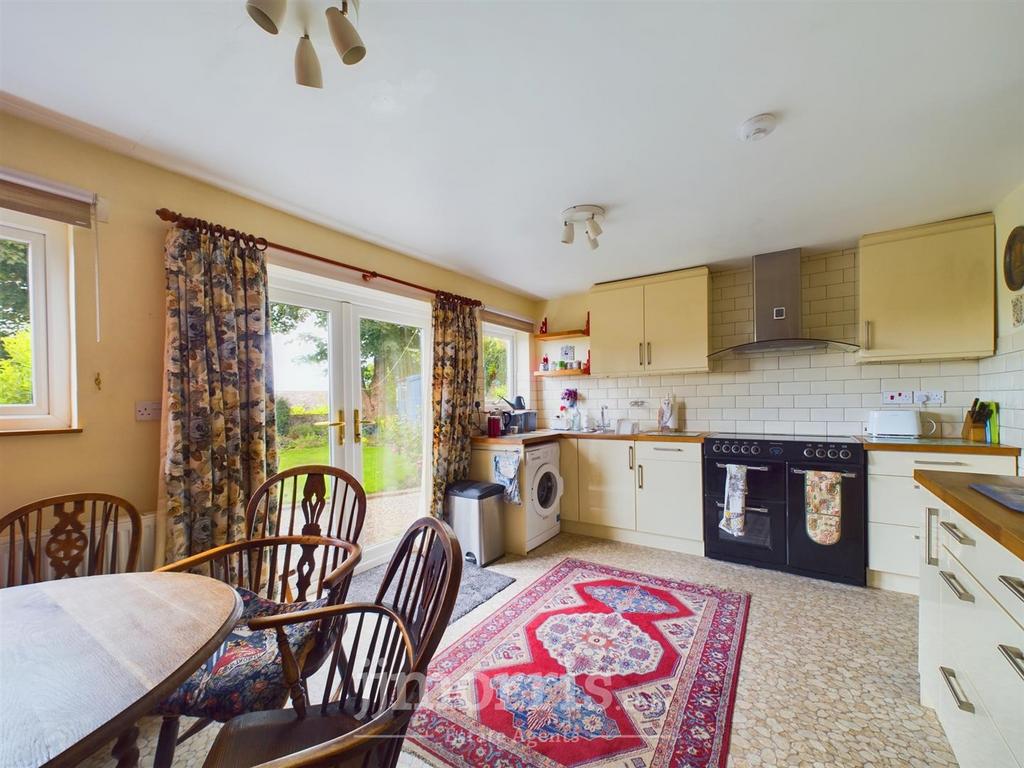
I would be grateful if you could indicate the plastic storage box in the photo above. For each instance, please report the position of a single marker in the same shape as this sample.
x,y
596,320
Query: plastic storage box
x,y
474,512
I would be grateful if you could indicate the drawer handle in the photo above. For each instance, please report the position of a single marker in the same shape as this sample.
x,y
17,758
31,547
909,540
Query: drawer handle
x,y
962,702
1013,584
956,533
762,510
958,589
749,468
930,558
1015,657
677,450
941,463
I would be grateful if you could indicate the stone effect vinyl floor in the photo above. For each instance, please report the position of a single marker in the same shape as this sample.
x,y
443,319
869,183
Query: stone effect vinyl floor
x,y
828,677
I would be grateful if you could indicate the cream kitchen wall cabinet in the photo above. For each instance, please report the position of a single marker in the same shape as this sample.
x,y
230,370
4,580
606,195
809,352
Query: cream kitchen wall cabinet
x,y
651,324
928,292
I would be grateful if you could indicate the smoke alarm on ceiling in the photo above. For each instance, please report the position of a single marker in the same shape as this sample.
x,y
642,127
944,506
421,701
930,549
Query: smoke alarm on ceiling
x,y
757,127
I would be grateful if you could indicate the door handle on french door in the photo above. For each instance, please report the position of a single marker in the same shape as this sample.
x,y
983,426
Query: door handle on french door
x,y
340,424
357,429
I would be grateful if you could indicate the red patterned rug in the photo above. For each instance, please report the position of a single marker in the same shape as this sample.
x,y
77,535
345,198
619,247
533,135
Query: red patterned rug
x,y
590,665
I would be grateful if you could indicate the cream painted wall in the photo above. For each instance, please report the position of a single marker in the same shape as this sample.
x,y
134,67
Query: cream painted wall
x,y
115,453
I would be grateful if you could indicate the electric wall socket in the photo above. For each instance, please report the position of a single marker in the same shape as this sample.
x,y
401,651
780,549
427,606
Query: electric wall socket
x,y
147,410
891,397
929,397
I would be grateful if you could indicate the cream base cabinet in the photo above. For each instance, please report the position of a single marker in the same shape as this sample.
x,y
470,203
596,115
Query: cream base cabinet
x,y
607,471
927,293
669,490
651,324
569,468
896,505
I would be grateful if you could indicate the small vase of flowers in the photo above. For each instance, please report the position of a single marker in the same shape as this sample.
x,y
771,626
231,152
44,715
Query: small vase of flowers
x,y
568,409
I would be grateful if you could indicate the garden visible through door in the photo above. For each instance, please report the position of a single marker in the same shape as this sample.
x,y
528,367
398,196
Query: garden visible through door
x,y
349,384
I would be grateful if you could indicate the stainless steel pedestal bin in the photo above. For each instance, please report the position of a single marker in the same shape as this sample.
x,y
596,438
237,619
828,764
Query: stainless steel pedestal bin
x,y
474,512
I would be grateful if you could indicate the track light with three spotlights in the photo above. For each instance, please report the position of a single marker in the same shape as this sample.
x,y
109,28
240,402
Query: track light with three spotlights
x,y
587,215
271,16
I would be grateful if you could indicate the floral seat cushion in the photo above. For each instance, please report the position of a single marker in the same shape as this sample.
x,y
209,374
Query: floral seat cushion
x,y
246,672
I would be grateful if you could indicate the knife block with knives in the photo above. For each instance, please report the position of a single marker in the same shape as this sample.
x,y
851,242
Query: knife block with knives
x,y
981,424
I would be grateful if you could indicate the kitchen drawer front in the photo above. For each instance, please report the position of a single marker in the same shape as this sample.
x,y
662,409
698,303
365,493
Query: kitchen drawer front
x,y
667,451
903,463
894,500
998,570
994,660
972,735
893,548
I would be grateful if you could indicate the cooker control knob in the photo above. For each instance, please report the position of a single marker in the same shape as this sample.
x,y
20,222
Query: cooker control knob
x,y
734,448
844,454
808,452
716,447
755,449
820,453
745,449
832,453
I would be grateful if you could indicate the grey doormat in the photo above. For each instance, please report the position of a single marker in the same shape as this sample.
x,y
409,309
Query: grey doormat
x,y
478,586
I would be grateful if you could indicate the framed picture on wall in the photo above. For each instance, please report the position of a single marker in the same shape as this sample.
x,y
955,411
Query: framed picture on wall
x,y
568,353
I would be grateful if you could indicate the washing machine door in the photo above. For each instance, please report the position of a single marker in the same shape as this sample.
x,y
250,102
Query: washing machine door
x,y
546,490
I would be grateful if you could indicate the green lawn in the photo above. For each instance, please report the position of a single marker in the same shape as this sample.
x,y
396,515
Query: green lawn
x,y
383,468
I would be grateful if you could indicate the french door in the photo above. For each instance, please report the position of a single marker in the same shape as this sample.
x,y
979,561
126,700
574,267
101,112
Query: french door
x,y
351,377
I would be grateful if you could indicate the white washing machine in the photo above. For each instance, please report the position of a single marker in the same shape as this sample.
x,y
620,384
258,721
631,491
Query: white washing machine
x,y
542,495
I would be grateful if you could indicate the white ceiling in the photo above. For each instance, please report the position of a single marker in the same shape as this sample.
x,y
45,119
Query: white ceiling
x,y
470,125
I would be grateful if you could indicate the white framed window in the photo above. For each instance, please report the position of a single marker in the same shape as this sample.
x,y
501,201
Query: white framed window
x,y
499,363
36,340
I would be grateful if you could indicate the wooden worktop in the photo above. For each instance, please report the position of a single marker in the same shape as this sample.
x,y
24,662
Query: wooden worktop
x,y
939,445
1002,524
547,435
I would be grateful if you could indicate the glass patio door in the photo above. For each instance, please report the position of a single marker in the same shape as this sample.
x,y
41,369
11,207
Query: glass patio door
x,y
349,384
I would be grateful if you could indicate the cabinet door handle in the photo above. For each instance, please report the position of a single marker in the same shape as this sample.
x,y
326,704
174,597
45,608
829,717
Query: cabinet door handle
x,y
1015,657
962,702
930,514
958,589
648,353
631,457
640,475
1013,584
956,533
641,354
867,334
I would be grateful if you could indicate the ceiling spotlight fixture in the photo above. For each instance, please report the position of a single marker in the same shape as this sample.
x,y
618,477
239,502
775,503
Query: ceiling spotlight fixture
x,y
267,13
757,127
346,39
589,215
307,65
304,20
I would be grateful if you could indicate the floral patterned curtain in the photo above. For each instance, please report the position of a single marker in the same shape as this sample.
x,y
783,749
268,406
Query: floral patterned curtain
x,y
219,433
456,353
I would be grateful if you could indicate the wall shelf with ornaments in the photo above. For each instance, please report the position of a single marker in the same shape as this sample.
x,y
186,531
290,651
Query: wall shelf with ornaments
x,y
575,333
563,372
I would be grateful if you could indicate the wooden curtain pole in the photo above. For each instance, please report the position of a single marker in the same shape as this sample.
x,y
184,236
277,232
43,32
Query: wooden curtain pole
x,y
199,225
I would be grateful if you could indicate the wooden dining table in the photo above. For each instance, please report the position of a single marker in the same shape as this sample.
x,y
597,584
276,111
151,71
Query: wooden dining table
x,y
82,660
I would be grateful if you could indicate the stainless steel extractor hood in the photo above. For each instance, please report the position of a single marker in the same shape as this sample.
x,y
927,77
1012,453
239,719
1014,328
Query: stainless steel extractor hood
x,y
777,308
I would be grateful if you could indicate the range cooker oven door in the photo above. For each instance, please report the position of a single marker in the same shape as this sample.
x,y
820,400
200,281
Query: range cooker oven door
x,y
764,535
846,559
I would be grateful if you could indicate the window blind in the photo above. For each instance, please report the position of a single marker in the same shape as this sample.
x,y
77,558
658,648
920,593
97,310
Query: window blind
x,y
49,201
506,321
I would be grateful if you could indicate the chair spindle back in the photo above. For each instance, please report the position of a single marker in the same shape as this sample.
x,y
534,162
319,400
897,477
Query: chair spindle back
x,y
77,534
311,500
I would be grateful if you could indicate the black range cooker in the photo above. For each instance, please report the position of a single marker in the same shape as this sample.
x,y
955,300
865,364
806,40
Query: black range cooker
x,y
775,531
